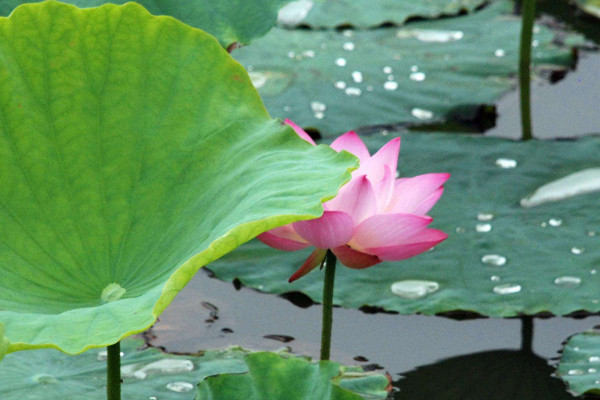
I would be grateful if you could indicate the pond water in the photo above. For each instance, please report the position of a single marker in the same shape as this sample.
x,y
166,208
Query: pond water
x,y
209,313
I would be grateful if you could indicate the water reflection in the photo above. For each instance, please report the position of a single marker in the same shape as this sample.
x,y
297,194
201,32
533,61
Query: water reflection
x,y
490,375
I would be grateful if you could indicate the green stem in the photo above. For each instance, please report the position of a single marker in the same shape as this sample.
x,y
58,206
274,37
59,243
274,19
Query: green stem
x,y
113,372
330,261
527,334
528,16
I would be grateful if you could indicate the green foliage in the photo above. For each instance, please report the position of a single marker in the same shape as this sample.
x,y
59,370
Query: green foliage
x,y
133,151
230,21
551,251
579,364
424,72
271,376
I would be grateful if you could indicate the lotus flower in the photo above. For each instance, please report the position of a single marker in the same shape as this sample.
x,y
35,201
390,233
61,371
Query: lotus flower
x,y
374,218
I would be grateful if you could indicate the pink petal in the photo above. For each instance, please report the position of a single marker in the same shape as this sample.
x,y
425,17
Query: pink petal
x,y
374,168
354,258
315,258
422,242
283,238
387,230
429,202
357,199
333,229
384,189
350,142
300,132
412,194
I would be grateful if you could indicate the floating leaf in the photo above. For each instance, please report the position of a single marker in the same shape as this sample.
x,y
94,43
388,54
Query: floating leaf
x,y
501,259
271,376
591,7
133,151
423,72
491,375
579,364
335,13
230,21
147,373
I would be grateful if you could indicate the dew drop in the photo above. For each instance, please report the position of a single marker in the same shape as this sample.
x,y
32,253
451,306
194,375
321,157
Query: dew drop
x,y
485,217
494,260
506,163
417,76
575,372
357,76
507,288
594,359
385,132
340,85
353,91
593,271
414,68
390,85
414,289
536,29
387,70
152,398
390,77
319,115
370,88
544,224
430,35
421,113
592,370
180,387
577,250
291,54
348,46
460,229
348,33
499,53
317,106
168,366
308,53
287,108
340,62
555,222
483,228
567,281
535,43
592,233
293,13
495,278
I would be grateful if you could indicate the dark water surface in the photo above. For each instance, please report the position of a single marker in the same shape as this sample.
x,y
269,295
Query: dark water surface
x,y
210,314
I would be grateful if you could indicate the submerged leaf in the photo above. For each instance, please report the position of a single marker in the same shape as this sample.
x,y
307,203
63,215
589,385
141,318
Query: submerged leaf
x,y
133,151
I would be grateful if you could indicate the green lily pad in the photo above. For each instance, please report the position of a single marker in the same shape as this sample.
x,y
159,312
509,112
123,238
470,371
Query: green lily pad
x,y
491,375
133,151
335,13
424,72
500,260
271,376
591,7
52,375
579,365
230,21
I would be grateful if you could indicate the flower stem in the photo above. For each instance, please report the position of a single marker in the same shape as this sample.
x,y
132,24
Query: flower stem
x,y
527,334
528,16
113,372
330,261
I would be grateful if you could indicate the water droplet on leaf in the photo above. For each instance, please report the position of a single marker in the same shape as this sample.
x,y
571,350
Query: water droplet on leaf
x,y
499,53
340,85
387,70
506,163
414,289
357,76
485,216
495,260
390,85
555,222
567,281
348,46
180,387
421,113
577,250
417,76
341,62
483,228
507,288
317,106
353,91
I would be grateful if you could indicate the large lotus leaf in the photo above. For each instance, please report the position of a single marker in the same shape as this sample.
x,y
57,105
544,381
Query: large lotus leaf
x,y
423,72
272,376
491,375
146,373
579,365
335,13
230,21
501,259
591,7
133,150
